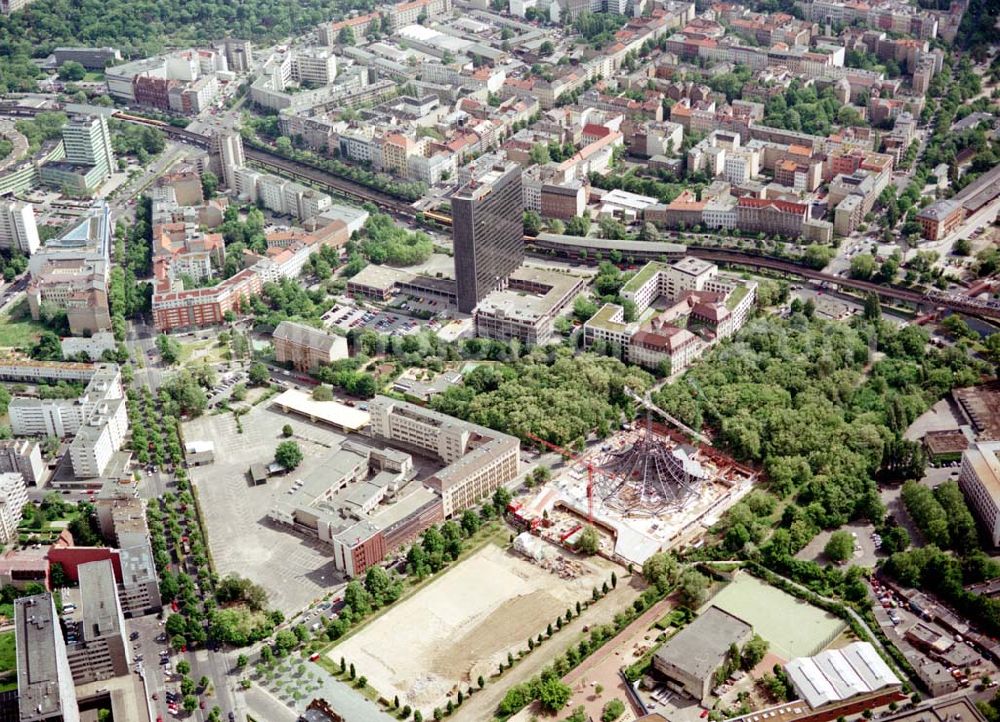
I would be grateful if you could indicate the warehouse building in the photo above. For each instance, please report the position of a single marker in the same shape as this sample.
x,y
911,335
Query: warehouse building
x,y
689,660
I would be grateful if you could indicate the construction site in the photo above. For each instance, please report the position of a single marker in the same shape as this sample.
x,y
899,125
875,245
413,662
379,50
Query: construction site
x,y
647,488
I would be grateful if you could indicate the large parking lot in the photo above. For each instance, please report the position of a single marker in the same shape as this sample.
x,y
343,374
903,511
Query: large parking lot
x,y
242,540
350,317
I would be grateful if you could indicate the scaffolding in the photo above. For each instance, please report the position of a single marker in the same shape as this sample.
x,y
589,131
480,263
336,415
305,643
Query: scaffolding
x,y
648,477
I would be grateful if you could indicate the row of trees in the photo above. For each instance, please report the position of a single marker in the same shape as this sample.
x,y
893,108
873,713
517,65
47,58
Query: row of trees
x,y
404,190
942,516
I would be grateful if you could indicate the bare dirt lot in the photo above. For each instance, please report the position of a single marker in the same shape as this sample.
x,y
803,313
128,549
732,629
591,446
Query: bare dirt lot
x,y
463,624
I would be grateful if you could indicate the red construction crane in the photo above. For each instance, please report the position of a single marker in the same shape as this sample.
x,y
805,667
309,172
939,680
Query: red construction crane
x,y
570,455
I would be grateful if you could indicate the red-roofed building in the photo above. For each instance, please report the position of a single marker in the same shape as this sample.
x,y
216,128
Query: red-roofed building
x,y
771,216
592,133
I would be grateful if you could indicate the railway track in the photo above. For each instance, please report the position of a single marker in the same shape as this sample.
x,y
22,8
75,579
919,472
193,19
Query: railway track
x,y
986,309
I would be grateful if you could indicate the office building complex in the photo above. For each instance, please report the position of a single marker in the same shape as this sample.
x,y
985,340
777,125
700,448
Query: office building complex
x,y
90,58
13,497
101,652
479,459
305,347
979,479
363,503
44,681
527,308
71,272
89,160
488,232
703,307
18,230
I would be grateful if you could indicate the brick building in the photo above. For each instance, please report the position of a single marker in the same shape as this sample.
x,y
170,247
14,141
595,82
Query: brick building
x,y
306,347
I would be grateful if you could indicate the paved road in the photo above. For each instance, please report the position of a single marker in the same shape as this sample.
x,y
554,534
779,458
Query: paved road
x,y
140,339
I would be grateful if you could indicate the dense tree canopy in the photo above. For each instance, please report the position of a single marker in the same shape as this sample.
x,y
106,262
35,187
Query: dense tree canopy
x,y
145,27
801,398
387,242
562,399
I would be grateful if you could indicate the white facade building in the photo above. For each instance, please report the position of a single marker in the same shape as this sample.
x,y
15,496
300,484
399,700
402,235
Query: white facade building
x,y
18,230
13,497
979,479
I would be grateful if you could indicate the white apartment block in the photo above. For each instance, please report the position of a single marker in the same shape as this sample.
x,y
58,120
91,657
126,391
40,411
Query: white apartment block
x,y
741,165
18,230
23,456
979,479
359,144
88,141
316,66
720,213
98,439
64,417
655,280
13,497
227,147
97,419
247,182
431,169
283,196
531,190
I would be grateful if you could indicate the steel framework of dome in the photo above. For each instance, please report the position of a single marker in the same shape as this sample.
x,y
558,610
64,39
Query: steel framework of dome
x,y
647,477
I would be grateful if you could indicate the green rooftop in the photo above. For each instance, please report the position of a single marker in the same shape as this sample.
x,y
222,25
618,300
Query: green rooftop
x,y
736,296
642,276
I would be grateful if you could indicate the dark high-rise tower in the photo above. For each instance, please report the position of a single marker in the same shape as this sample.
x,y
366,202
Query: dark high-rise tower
x,y
487,218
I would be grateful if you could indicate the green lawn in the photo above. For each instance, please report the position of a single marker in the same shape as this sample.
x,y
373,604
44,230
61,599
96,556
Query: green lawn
x,y
93,77
8,657
17,328
207,351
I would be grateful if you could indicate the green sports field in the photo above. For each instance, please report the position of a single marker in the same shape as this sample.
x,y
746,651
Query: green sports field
x,y
793,627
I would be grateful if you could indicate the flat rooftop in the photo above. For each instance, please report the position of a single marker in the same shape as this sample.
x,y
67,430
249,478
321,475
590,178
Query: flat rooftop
x,y
519,303
981,404
37,674
332,412
380,277
99,597
700,647
984,458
